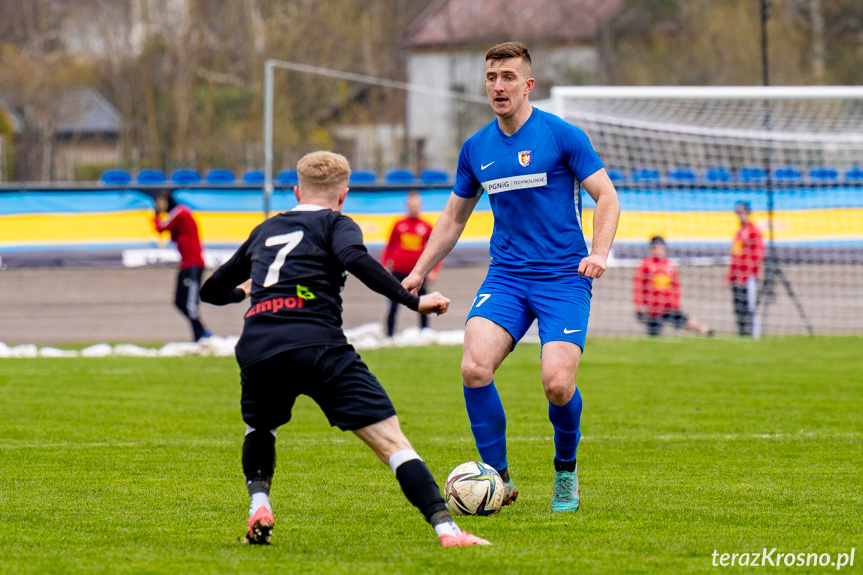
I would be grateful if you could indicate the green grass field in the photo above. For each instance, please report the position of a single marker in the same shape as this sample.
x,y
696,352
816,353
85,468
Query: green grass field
x,y
132,465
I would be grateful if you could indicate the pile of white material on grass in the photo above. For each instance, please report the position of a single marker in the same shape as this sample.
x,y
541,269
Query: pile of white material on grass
x,y
371,336
368,336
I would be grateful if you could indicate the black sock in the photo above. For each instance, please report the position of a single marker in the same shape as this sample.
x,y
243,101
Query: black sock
x,y
422,491
504,474
259,460
564,465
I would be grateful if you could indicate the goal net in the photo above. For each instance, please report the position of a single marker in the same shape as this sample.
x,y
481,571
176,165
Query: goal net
x,y
683,158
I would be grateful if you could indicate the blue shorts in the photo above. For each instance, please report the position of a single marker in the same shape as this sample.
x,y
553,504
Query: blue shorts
x,y
561,306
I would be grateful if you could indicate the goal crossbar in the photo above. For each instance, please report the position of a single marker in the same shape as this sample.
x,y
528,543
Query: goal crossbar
x,y
559,93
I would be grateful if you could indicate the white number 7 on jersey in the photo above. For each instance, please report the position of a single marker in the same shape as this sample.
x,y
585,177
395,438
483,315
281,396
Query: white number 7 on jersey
x,y
481,299
290,241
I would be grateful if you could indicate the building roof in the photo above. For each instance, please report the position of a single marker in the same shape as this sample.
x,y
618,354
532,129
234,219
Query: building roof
x,y
447,23
83,111
86,111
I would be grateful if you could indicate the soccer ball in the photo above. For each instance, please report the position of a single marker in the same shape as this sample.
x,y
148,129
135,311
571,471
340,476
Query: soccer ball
x,y
474,488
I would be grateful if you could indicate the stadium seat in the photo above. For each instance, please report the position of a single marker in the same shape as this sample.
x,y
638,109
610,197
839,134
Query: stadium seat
x,y
434,177
616,176
287,178
151,177
115,178
645,176
363,177
683,175
400,177
253,177
185,176
752,174
787,174
823,174
717,174
220,176
855,174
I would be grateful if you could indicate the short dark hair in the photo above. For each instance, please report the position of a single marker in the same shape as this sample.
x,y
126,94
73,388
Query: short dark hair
x,y
509,50
745,205
168,196
657,241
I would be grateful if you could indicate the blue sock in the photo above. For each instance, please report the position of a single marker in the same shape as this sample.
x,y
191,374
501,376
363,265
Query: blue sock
x,y
566,420
488,423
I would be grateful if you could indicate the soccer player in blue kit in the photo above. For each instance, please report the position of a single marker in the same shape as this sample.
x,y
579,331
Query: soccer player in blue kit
x,y
531,164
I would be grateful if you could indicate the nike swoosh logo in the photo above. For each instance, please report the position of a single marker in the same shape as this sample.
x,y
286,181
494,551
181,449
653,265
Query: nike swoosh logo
x,y
568,331
486,165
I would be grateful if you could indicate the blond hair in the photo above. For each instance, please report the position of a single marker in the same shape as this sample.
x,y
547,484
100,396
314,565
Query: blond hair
x,y
323,172
509,50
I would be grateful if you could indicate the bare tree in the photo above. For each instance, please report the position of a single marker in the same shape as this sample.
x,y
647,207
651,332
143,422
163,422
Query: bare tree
x,y
34,75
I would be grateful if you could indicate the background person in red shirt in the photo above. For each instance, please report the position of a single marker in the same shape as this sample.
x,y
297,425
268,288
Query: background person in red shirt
x,y
179,221
407,240
747,253
656,293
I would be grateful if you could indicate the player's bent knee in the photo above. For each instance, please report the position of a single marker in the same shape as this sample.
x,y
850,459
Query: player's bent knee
x,y
474,374
559,392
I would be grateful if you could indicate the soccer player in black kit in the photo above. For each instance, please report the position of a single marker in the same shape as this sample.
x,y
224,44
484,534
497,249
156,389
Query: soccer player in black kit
x,y
293,267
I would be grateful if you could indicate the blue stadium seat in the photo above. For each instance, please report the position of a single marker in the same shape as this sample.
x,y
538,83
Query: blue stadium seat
x,y
823,174
253,177
717,174
220,176
400,177
151,177
287,177
616,176
185,176
752,174
645,176
115,178
787,174
434,177
683,175
855,174
363,177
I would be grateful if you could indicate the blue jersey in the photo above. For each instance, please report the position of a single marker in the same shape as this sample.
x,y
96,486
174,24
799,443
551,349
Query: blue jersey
x,y
533,181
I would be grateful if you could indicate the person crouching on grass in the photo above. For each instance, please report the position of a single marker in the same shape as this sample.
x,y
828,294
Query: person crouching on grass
x,y
293,268
656,293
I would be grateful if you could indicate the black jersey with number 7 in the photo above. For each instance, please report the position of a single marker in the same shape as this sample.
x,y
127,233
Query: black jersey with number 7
x,y
297,261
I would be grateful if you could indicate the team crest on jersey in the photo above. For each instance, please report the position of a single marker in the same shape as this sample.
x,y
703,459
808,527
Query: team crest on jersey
x,y
524,157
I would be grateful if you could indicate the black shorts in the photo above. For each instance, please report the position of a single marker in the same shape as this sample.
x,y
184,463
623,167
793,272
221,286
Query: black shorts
x,y
674,317
335,378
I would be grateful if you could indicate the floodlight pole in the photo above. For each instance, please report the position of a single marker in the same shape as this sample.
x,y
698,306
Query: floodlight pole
x,y
765,79
767,293
767,290
768,159
268,135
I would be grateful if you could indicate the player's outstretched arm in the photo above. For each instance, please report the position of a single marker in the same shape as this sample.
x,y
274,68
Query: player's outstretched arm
x,y
605,218
433,303
369,271
230,283
447,230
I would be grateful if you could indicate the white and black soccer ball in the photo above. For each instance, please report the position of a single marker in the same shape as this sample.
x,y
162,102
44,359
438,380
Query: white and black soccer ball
x,y
474,488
